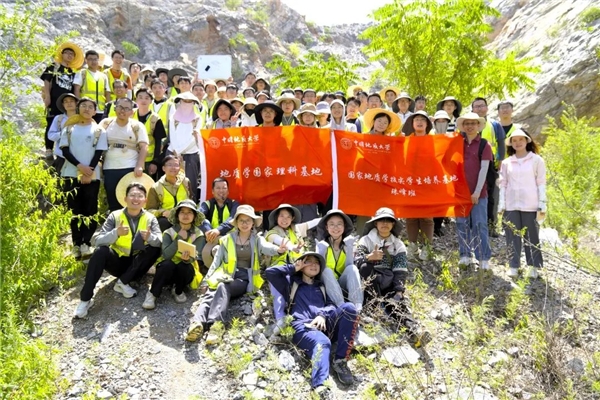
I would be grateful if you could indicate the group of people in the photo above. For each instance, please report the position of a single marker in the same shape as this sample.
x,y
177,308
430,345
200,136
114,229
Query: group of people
x,y
138,131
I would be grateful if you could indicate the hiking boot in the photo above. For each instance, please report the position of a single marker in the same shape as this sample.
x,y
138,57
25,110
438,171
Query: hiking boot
x,y
412,251
343,372
82,309
86,250
179,298
149,301
466,261
419,339
215,334
76,252
126,290
424,254
194,332
49,155
324,392
485,265
492,232
513,272
532,273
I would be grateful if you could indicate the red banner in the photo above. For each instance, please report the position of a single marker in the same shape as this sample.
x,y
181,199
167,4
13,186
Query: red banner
x,y
417,177
266,167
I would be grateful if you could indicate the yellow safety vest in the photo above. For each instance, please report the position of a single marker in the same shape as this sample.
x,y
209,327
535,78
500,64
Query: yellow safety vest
x,y
173,93
338,266
112,113
168,202
163,113
94,89
214,221
229,267
177,257
289,257
209,110
150,124
123,77
123,244
489,134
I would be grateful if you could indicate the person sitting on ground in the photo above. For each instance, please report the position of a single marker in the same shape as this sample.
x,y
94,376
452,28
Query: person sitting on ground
x,y
307,115
316,320
234,271
381,122
127,245
172,188
336,245
178,268
268,114
288,103
338,119
381,258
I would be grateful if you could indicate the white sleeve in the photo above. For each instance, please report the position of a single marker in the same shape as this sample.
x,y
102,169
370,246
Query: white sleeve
x,y
78,79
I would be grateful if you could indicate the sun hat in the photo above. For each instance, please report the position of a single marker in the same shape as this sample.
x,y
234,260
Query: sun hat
x,y
236,99
407,128
247,210
249,100
299,89
267,85
441,114
263,93
61,98
307,108
199,217
290,97
275,213
121,189
161,70
403,95
211,82
457,111
310,90
77,60
176,71
147,68
218,104
268,104
221,89
369,119
323,108
470,116
322,225
351,89
186,96
516,133
322,263
386,89
382,213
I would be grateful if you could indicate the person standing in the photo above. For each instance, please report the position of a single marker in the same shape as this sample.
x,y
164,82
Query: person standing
x,y
91,82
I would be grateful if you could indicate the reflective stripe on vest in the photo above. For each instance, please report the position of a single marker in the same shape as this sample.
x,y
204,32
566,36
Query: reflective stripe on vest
x,y
229,267
214,221
289,257
338,266
168,202
150,130
123,244
163,113
489,134
177,257
94,89
112,113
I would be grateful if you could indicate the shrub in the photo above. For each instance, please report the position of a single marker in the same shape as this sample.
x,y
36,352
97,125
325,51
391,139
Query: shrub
x,y
130,48
589,15
233,5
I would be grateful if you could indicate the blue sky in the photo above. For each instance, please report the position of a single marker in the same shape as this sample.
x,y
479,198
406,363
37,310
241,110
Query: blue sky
x,y
332,12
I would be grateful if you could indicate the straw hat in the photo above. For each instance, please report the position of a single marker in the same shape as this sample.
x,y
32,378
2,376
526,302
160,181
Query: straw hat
x,y
382,213
275,213
516,133
199,217
407,128
457,110
386,89
288,96
369,118
247,210
77,60
470,116
322,225
145,180
351,89
307,108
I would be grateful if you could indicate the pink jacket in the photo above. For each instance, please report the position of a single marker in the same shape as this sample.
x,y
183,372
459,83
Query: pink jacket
x,y
522,184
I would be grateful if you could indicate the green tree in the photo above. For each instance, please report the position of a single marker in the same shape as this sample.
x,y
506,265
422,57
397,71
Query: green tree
x,y
436,48
130,49
313,70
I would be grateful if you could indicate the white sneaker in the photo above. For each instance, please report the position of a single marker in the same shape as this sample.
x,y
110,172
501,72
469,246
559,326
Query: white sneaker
x,y
513,272
86,250
424,254
179,298
149,301
76,252
485,265
532,273
82,309
126,290
465,261
412,250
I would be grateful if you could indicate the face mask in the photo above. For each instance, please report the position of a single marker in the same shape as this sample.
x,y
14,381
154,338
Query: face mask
x,y
441,126
250,112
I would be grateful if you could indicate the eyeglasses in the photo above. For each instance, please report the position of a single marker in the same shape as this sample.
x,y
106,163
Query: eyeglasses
x,y
338,225
121,108
479,105
245,221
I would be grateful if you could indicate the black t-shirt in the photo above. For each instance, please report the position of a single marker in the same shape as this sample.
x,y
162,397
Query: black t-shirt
x,y
507,128
61,82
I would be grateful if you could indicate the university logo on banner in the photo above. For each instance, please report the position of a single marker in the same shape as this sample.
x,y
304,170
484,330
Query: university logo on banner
x,y
417,177
266,167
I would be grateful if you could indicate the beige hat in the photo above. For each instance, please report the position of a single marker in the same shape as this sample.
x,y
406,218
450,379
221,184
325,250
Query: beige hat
x,y
308,108
470,116
386,89
186,96
516,133
288,96
383,213
247,210
121,190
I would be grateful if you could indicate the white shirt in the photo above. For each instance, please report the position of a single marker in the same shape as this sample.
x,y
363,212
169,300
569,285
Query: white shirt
x,y
181,139
81,146
123,157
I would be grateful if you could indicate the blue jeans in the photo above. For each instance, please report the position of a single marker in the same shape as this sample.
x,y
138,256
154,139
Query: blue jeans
x,y
473,233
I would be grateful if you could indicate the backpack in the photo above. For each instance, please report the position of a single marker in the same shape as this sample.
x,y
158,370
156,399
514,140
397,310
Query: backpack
x,y
134,127
295,289
97,133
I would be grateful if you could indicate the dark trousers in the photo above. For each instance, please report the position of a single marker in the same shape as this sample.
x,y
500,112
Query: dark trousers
x,y
491,178
82,200
163,223
111,180
215,303
169,273
127,269
49,144
514,222
192,172
341,327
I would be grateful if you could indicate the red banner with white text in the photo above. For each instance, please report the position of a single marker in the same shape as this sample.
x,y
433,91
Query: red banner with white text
x,y
266,167
417,177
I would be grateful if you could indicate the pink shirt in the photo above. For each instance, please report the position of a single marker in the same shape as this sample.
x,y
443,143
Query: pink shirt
x,y
520,178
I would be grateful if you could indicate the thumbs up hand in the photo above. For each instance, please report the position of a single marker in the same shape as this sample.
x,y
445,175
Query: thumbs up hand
x,y
122,230
376,254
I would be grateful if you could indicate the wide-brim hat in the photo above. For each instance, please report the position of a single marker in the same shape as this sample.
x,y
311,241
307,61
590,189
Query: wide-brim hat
x,y
145,180
249,100
161,70
307,108
186,96
457,111
61,98
147,68
262,93
319,257
288,96
322,225
247,210
218,104
516,133
268,104
298,89
407,128
470,116
323,108
275,213
403,95
211,82
199,217
369,118
238,100
386,89
176,71
382,213
249,88
77,60
351,89
267,84
441,114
